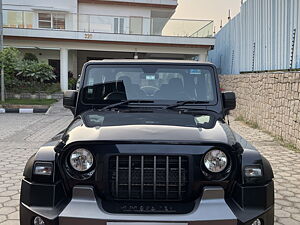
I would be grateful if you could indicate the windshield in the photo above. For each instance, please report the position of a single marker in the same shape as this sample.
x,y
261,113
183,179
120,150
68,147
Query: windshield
x,y
113,83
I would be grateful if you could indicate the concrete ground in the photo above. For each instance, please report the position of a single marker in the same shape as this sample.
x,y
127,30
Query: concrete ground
x,y
21,135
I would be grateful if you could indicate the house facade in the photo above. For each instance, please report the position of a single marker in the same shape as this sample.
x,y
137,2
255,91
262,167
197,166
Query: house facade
x,y
68,33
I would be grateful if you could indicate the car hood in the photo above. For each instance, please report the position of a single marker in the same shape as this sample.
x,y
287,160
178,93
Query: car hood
x,y
148,127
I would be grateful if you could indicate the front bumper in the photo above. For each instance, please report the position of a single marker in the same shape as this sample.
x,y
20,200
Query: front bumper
x,y
85,208
205,211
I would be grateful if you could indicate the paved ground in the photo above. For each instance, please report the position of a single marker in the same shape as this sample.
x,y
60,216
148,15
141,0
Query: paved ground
x,y
21,135
286,167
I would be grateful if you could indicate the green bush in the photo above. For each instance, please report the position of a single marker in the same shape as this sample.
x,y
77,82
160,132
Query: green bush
x,y
26,75
30,57
72,83
31,71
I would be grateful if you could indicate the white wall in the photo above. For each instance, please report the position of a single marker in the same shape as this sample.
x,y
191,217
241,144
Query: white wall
x,y
41,54
267,23
117,10
59,5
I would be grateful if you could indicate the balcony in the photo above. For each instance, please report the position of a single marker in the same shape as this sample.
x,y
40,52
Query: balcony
x,y
150,2
105,27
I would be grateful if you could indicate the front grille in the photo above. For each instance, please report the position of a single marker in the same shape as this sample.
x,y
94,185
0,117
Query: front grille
x,y
147,177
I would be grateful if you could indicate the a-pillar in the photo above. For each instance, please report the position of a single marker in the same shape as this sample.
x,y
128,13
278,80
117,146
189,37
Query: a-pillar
x,y
64,61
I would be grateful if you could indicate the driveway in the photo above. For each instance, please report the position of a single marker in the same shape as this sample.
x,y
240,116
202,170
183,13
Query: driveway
x,y
21,135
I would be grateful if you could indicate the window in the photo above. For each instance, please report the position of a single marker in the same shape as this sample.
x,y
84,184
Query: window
x,y
17,19
119,25
149,82
51,21
13,19
58,21
45,20
136,25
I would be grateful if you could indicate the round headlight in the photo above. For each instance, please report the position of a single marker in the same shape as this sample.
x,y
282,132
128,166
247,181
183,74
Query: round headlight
x,y
215,161
81,159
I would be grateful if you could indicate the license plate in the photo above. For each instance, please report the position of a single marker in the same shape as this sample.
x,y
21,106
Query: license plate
x,y
142,223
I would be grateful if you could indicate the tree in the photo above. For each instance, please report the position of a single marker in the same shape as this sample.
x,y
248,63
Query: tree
x,y
9,59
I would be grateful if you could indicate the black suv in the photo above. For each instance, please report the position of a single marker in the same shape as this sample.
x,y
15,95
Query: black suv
x,y
149,145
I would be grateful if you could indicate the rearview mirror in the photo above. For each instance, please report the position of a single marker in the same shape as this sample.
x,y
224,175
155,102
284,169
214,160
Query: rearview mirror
x,y
69,100
229,101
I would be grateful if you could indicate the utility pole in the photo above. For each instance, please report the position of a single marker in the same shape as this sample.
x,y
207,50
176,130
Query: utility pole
x,y
1,48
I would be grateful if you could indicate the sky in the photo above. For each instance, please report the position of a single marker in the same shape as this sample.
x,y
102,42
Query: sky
x,y
216,10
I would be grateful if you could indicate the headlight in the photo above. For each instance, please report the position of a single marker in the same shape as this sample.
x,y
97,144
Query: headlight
x,y
215,161
81,159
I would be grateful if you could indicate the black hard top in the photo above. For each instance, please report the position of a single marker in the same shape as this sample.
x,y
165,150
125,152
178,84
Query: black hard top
x,y
148,61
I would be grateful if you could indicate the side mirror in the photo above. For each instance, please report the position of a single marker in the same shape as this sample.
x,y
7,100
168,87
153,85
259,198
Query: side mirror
x,y
69,100
229,101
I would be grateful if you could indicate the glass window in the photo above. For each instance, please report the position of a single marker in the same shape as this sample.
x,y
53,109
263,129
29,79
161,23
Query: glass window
x,y
119,25
45,20
28,19
13,19
149,82
48,20
136,25
58,21
116,25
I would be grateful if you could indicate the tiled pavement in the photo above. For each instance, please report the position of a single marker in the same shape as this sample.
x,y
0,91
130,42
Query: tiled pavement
x,y
286,167
21,135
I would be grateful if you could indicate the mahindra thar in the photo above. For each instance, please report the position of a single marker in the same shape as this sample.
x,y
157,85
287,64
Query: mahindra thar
x,y
149,145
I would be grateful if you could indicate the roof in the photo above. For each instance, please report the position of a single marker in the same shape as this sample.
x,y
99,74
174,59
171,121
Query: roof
x,y
147,61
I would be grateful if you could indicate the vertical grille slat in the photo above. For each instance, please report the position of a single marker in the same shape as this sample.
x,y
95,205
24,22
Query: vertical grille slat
x,y
154,177
142,177
129,177
167,176
117,175
179,177
148,177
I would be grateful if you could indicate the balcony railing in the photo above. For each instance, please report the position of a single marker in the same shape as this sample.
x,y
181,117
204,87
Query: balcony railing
x,y
107,24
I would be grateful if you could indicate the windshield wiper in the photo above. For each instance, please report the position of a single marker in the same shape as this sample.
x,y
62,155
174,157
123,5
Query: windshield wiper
x,y
182,103
117,105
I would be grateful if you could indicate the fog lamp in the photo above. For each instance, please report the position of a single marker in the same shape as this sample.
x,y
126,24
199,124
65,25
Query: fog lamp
x,y
253,171
43,168
257,222
38,221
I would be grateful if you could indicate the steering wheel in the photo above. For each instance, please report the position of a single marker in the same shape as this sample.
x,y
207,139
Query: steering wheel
x,y
149,90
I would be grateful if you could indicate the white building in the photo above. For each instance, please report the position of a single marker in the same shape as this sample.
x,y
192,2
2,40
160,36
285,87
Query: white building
x,y
67,33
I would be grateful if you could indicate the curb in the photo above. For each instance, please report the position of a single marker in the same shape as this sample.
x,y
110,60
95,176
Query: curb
x,y
22,110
